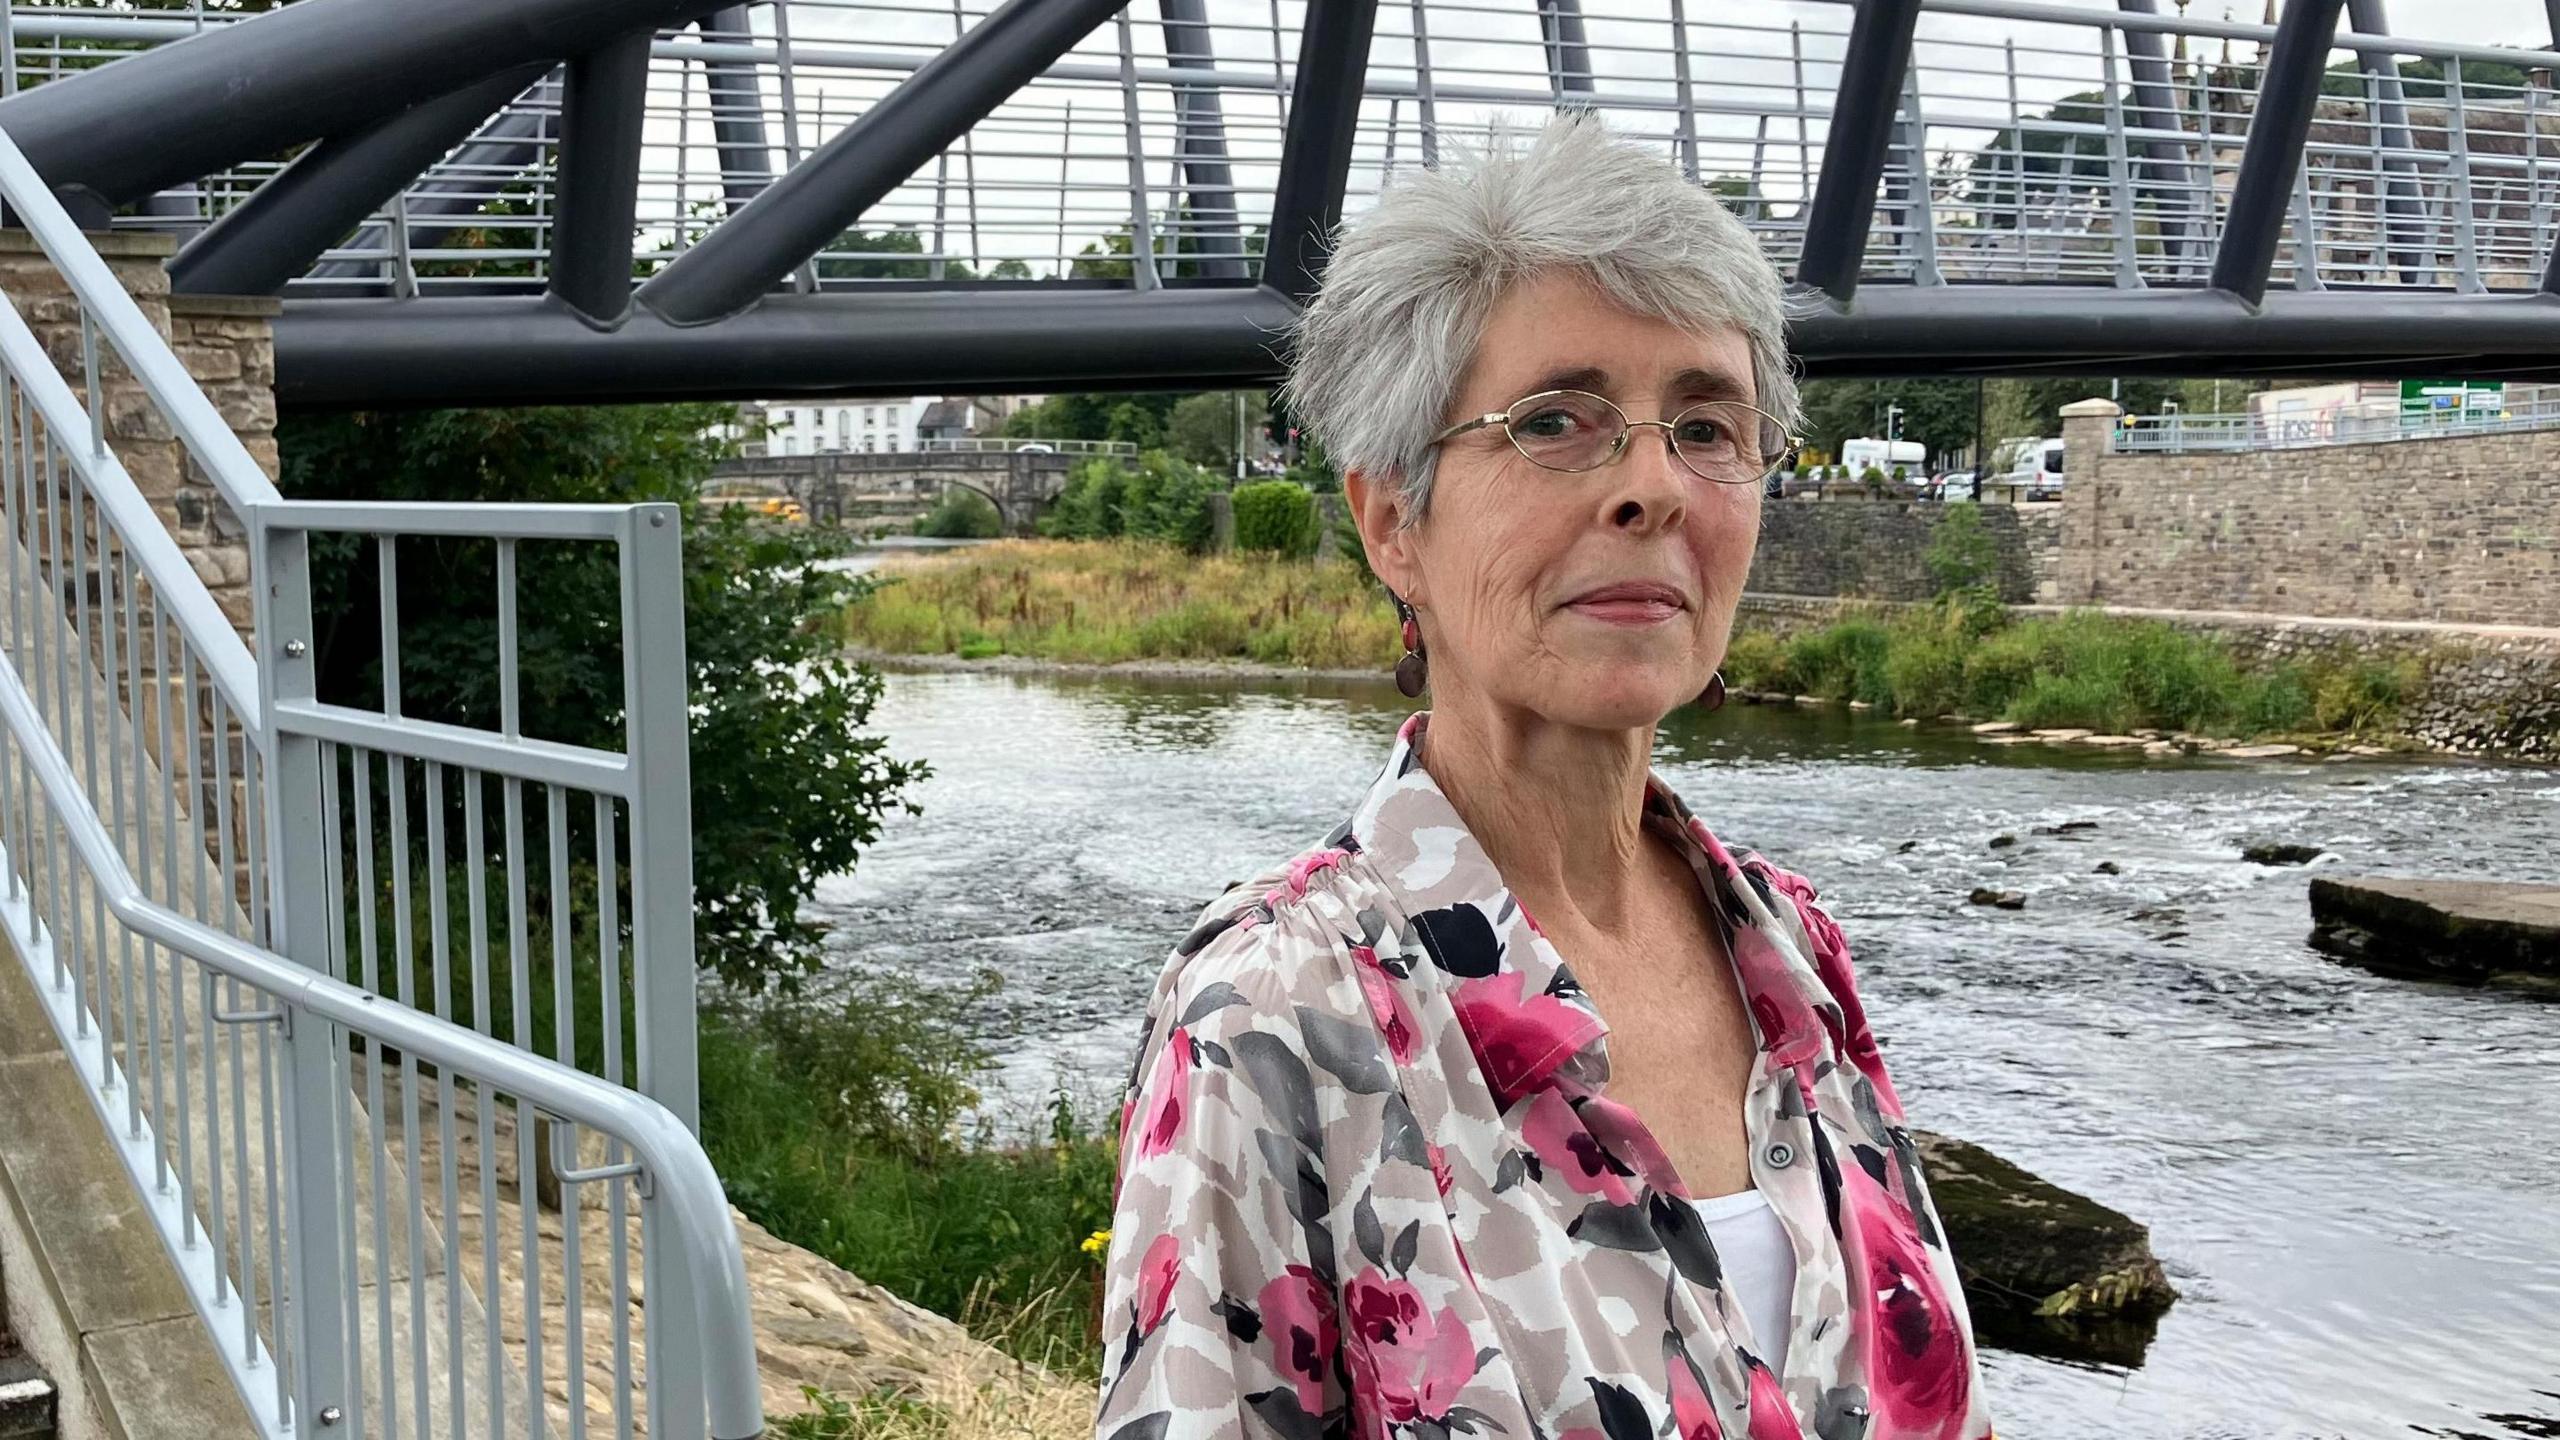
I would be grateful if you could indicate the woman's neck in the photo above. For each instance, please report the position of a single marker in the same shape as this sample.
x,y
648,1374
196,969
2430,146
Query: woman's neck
x,y
1559,810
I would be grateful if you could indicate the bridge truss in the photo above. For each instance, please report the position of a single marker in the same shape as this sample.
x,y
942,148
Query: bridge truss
x,y
575,201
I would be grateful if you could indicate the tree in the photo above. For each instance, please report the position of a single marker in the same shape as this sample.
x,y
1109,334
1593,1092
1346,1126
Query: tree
x,y
1937,413
788,786
859,254
1202,428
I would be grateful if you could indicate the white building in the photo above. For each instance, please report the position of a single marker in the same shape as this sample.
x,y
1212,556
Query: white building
x,y
841,426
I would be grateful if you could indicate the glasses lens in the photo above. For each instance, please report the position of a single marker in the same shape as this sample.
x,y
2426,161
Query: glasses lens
x,y
1566,429
1727,441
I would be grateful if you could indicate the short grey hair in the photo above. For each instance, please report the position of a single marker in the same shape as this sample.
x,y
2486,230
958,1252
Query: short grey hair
x,y
1381,351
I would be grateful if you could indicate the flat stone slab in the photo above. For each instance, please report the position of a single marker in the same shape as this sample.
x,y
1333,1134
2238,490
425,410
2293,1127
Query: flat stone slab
x,y
2473,931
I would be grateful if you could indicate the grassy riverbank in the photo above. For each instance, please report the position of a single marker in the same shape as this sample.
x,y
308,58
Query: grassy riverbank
x,y
1109,602
837,1123
2089,670
1102,602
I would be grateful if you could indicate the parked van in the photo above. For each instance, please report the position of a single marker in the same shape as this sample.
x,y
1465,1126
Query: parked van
x,y
2037,470
1911,455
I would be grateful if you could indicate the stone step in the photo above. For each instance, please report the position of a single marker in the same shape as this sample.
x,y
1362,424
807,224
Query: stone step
x,y
26,1397
2471,931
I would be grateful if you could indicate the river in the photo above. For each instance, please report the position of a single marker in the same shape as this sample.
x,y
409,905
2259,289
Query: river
x,y
2344,1174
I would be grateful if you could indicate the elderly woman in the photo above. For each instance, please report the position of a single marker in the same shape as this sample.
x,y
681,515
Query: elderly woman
x,y
1521,1107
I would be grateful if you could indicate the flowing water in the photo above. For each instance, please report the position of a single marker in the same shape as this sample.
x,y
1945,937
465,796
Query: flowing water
x,y
2350,1178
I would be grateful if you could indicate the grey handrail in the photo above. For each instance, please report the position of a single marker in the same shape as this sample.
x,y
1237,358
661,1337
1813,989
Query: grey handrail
x,y
198,424
217,647
680,1174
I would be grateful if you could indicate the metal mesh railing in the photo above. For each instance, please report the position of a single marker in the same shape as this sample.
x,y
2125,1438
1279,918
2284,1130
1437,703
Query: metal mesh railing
x,y
2358,423
2036,141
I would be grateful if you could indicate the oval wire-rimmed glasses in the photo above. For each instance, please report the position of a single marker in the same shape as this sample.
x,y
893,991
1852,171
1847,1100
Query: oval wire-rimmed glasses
x,y
1573,431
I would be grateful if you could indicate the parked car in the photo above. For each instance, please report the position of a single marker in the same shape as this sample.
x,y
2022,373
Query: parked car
x,y
1957,485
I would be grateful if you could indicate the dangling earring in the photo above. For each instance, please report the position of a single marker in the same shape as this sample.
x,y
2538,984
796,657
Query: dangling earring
x,y
1414,670
1712,698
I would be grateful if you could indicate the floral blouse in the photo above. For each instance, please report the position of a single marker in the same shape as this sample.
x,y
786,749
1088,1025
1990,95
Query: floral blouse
x,y
1372,1184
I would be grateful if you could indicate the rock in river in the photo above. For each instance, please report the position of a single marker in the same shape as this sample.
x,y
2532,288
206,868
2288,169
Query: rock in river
x,y
2278,852
2475,931
2045,1271
2003,899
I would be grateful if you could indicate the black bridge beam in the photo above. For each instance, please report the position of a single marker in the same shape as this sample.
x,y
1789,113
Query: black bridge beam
x,y
598,191
2288,90
284,225
737,113
998,337
1315,165
1022,339
1855,147
296,73
739,261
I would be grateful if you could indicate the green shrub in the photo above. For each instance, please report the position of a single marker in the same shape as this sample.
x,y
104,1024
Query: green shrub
x,y
1088,507
1757,660
979,647
962,515
1962,555
1924,671
1167,500
1843,662
2363,695
834,1125
2275,701
2094,702
1277,517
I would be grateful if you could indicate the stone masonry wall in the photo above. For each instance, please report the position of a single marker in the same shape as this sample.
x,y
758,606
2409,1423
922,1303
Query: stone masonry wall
x,y
2463,531
227,345
1878,549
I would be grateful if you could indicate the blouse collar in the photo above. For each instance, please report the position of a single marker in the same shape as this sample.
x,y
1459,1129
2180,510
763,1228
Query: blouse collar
x,y
1533,1026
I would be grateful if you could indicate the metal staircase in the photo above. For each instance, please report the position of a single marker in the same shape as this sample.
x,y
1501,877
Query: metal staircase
x,y
326,971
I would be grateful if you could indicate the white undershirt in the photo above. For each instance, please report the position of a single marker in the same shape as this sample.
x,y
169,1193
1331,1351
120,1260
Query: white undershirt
x,y
1759,1267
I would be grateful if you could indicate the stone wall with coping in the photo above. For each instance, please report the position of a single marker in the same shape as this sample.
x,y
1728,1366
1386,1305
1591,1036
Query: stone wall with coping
x,y
2461,530
1878,549
227,345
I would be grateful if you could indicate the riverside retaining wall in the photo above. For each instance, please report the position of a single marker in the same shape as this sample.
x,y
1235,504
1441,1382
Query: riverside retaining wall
x,y
2461,531
1879,549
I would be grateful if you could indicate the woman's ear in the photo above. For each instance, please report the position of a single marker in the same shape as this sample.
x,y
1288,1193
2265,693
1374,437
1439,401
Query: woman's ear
x,y
1377,507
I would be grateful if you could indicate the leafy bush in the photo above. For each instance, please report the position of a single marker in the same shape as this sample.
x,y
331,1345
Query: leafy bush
x,y
1843,662
962,515
1962,555
1757,660
788,785
1277,517
834,1125
2364,695
1167,500
1088,506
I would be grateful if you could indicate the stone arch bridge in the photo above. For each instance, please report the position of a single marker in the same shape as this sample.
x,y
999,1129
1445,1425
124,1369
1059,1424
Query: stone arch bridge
x,y
850,488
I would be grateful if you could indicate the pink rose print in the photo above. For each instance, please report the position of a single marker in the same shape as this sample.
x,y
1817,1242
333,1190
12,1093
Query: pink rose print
x,y
1162,1122
1772,1418
1919,1379
1156,1272
1406,1364
1519,1039
1441,1178
1831,962
1297,1313
1566,1148
1691,1410
1387,1005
